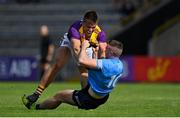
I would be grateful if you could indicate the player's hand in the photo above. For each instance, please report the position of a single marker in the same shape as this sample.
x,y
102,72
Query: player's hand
x,y
85,44
95,49
94,45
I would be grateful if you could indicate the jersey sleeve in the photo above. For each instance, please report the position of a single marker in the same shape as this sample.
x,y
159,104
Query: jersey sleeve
x,y
102,37
99,63
111,67
73,33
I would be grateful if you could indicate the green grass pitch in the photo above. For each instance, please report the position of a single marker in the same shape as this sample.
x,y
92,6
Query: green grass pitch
x,y
127,100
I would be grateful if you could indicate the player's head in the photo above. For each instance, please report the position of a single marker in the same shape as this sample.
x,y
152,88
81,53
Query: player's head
x,y
114,49
44,31
89,22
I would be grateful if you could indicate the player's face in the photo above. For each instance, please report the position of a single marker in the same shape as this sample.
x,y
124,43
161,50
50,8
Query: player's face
x,y
88,27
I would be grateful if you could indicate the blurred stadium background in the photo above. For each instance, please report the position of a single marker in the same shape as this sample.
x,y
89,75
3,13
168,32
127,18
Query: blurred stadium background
x,y
149,30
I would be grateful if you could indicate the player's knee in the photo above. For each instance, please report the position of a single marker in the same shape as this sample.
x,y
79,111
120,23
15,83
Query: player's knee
x,y
60,62
83,72
62,96
58,97
58,65
84,75
53,103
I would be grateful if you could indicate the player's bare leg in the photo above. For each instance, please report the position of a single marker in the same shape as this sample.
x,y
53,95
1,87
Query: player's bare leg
x,y
84,76
62,56
60,97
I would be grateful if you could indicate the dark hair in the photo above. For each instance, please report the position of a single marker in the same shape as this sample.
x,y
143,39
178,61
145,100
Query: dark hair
x,y
117,44
91,15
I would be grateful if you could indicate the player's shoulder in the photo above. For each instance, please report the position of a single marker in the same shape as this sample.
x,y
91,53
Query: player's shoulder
x,y
112,62
111,67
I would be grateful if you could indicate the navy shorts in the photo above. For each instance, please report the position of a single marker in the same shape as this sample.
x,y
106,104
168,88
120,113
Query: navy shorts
x,y
84,101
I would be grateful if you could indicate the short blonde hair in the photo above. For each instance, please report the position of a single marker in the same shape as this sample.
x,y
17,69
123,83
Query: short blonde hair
x,y
118,45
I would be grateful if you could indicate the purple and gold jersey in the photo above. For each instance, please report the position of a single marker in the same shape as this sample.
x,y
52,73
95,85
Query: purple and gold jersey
x,y
76,31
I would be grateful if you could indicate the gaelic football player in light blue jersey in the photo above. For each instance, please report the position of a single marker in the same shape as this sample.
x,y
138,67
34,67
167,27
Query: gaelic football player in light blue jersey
x,y
103,76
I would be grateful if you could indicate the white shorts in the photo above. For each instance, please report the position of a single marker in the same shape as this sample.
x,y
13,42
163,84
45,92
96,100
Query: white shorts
x,y
65,42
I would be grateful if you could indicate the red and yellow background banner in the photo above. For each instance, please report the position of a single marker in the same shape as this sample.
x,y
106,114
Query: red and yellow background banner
x,y
151,69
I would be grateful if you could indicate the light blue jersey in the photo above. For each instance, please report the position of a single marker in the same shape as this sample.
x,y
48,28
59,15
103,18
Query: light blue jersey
x,y
104,79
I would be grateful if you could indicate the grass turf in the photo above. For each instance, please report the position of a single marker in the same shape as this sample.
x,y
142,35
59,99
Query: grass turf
x,y
129,100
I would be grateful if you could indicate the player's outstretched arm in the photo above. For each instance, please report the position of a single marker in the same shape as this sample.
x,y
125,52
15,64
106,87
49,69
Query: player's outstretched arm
x,y
83,58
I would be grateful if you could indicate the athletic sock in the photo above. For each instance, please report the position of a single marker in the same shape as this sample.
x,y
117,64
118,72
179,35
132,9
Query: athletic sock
x,y
39,90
